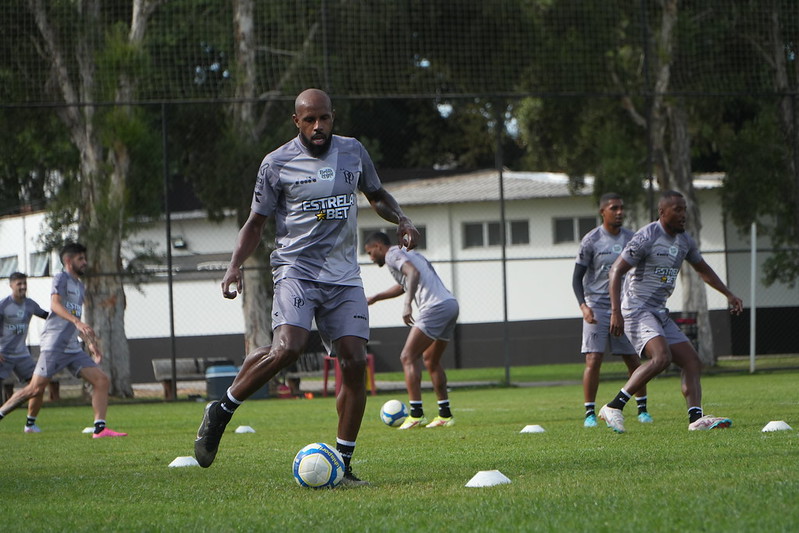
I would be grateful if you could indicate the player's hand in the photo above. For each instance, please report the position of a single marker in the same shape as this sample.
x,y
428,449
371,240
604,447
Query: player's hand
x,y
370,300
86,332
407,234
616,324
97,355
588,314
407,315
735,304
232,275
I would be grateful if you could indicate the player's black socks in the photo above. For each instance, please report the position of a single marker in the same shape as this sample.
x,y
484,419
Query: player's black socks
x,y
229,404
416,409
99,426
620,400
590,409
694,414
641,404
31,421
443,409
2,416
346,448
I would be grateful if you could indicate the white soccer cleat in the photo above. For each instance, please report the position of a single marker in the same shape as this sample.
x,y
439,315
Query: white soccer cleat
x,y
710,422
613,418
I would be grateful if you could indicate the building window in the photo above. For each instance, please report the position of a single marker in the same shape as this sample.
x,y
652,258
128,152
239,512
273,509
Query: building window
x,y
40,264
391,231
8,265
572,229
482,234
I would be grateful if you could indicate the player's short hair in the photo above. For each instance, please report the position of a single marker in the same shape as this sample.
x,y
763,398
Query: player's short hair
x,y
71,249
607,197
377,237
667,196
15,276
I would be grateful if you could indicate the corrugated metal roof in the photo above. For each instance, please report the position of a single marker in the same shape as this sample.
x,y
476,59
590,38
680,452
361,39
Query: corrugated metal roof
x,y
483,186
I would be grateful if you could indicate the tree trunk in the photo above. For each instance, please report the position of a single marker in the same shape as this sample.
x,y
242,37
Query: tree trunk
x,y
694,295
258,290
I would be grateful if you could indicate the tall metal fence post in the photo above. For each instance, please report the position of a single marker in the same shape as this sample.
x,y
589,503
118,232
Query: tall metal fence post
x,y
752,296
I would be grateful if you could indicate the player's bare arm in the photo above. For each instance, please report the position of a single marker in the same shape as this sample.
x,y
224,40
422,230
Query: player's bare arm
x,y
387,207
411,274
387,294
710,277
617,271
247,241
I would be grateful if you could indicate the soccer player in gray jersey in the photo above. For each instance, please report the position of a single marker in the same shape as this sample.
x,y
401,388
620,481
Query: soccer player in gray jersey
x,y
598,250
655,254
309,186
59,346
430,331
16,311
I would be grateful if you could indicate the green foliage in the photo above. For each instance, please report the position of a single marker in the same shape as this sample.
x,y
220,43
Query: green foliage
x,y
745,480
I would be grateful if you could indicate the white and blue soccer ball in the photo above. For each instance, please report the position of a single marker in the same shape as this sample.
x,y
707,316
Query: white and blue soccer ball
x,y
318,466
393,413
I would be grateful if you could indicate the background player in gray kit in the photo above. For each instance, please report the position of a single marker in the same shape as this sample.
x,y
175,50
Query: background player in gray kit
x,y
431,330
598,250
656,253
16,311
309,186
59,346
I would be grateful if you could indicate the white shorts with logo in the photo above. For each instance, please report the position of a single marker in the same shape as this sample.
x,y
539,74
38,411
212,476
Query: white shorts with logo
x,y
641,326
596,337
51,362
438,321
340,310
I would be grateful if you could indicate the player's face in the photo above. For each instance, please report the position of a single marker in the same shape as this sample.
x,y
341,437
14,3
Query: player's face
x,y
376,253
19,289
315,122
78,263
612,213
673,215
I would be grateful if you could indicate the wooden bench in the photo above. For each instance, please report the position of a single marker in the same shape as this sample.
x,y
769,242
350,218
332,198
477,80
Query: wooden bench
x,y
186,369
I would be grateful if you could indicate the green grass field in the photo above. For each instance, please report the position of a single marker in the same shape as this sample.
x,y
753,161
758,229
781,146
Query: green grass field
x,y
657,477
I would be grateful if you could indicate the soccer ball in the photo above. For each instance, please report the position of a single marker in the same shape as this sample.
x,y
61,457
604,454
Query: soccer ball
x,y
393,413
318,465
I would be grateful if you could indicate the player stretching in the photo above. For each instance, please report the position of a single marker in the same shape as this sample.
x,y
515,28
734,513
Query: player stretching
x,y
430,331
656,253
309,186
59,347
16,311
598,250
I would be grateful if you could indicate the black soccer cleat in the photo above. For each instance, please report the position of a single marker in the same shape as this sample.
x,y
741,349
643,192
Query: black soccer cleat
x,y
210,433
351,480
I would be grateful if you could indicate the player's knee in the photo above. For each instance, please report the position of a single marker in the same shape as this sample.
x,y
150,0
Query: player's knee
x,y
593,360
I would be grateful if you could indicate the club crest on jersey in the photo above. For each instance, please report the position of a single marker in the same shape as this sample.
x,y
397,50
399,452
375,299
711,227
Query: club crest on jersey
x,y
616,248
326,174
673,251
330,207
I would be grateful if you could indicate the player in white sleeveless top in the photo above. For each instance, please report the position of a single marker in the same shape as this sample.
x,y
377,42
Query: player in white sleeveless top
x,y
431,329
309,186
653,258
598,250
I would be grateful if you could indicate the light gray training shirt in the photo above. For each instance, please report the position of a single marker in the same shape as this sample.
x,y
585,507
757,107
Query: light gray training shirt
x,y
61,335
656,257
314,203
431,289
598,250
14,321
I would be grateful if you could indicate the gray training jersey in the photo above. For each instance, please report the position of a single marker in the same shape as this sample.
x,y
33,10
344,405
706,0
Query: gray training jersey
x,y
431,289
14,321
656,257
598,250
313,201
60,335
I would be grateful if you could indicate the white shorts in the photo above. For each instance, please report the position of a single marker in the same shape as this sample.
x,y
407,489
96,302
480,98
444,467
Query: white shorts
x,y
340,310
596,337
438,321
641,326
21,365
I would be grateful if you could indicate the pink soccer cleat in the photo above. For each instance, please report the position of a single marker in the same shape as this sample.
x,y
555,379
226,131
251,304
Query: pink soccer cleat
x,y
108,433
